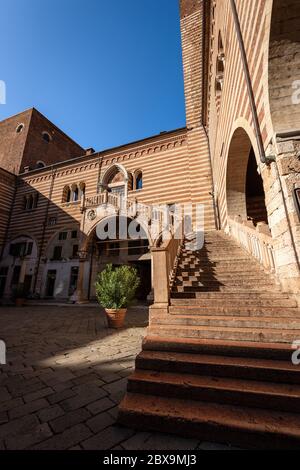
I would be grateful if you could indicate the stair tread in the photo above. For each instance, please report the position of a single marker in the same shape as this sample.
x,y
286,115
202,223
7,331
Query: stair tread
x,y
219,383
198,358
237,417
163,343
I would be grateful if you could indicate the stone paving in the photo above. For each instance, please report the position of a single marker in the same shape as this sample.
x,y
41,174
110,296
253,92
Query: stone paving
x,y
66,372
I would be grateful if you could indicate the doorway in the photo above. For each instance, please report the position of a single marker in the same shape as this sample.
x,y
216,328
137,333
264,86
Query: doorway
x,y
3,277
50,283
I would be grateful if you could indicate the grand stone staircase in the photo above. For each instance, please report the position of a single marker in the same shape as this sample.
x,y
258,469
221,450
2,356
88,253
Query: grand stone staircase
x,y
218,365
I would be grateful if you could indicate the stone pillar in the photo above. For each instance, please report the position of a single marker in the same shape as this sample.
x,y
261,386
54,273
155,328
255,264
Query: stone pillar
x,y
160,306
80,282
22,272
284,221
160,277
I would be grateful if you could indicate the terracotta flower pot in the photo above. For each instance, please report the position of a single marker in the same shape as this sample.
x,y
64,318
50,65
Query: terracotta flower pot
x,y
19,302
116,317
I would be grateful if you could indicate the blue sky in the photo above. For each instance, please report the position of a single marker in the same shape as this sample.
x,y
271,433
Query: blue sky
x,y
106,71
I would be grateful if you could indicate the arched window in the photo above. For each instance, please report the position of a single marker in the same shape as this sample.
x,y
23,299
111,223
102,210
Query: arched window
x,y
40,164
82,189
139,180
47,137
75,193
220,70
29,202
66,197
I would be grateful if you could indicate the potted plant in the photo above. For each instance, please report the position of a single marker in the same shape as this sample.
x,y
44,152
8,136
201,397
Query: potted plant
x,y
115,290
19,295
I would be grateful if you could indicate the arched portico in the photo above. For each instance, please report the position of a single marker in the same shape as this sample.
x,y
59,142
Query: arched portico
x,y
17,267
116,239
244,186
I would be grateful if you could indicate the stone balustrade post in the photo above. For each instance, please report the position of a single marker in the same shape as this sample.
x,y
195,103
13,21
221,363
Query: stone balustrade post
x,y
160,277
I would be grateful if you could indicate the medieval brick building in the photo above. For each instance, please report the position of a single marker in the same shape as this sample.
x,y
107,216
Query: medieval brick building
x,y
238,156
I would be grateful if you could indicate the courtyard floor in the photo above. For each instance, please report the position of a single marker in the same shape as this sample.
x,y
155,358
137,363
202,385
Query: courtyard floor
x,y
66,372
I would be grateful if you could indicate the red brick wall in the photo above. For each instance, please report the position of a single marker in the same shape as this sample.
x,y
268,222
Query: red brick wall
x,y
18,150
12,144
59,149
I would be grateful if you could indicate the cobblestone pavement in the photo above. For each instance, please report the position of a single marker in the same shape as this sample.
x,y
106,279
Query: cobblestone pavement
x,y
65,375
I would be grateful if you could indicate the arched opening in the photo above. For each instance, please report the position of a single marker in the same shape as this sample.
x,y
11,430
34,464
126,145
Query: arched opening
x,y
244,185
255,195
127,244
220,70
115,180
17,267
19,128
46,137
82,189
66,196
75,193
138,180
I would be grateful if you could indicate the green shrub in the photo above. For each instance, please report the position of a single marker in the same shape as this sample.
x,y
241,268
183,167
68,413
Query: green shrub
x,y
116,287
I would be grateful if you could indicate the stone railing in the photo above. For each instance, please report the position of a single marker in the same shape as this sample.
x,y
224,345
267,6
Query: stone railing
x,y
164,264
102,198
155,215
256,240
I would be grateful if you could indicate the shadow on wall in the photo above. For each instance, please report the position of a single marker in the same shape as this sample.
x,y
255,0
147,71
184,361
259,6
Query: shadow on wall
x,y
35,254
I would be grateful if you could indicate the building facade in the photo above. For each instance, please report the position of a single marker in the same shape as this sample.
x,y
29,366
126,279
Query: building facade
x,y
238,156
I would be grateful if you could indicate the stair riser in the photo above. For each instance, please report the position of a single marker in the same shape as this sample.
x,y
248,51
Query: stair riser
x,y
245,295
199,276
215,395
221,370
218,288
213,282
225,267
235,293
203,283
230,349
263,336
226,322
208,431
230,308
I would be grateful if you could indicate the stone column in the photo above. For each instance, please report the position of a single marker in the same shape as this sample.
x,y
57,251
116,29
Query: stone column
x,y
22,272
80,282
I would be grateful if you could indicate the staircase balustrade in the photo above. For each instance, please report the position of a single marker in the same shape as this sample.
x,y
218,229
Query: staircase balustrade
x,y
255,240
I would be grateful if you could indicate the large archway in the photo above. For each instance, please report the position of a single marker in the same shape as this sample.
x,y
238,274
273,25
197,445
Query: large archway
x,y
118,249
244,186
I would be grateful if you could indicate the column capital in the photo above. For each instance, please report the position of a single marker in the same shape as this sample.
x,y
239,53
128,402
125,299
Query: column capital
x,y
82,254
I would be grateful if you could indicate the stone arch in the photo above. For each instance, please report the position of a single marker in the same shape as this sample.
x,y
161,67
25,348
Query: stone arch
x,y
110,173
91,231
244,186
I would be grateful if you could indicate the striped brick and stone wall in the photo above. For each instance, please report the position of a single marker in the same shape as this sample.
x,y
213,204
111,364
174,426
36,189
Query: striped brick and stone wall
x,y
7,191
